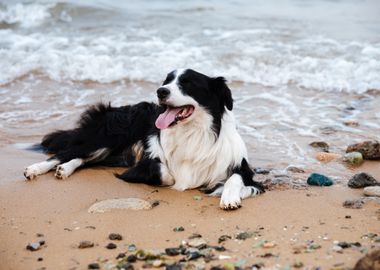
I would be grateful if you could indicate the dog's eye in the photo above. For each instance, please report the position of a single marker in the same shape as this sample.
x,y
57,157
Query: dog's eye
x,y
168,79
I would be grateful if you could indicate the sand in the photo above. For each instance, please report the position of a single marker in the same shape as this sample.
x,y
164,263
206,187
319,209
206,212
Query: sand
x,y
58,210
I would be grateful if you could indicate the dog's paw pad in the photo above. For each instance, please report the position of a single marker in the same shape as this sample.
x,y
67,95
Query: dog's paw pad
x,y
60,173
30,173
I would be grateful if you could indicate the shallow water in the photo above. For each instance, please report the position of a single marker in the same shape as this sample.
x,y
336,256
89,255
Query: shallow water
x,y
298,70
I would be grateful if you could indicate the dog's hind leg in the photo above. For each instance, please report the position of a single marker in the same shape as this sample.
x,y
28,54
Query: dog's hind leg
x,y
66,169
43,167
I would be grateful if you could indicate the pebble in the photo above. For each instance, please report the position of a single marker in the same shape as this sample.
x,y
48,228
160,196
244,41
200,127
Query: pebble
x,y
126,266
229,266
369,149
262,171
197,243
111,246
124,203
120,256
321,145
353,158
369,261
269,245
173,267
85,244
223,238
327,157
131,258
316,179
172,251
295,169
93,266
372,191
115,236
244,235
132,247
353,204
40,259
157,263
361,180
179,229
33,246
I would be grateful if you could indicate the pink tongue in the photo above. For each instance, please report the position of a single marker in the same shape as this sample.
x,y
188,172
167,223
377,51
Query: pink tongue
x,y
166,118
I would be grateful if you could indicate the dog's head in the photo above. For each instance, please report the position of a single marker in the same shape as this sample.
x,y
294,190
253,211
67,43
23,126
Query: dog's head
x,y
185,91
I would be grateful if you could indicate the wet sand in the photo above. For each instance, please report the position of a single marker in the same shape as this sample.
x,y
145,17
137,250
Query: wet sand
x,y
58,210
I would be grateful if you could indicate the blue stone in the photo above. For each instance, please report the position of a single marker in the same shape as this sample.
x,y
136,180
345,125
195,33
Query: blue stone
x,y
316,179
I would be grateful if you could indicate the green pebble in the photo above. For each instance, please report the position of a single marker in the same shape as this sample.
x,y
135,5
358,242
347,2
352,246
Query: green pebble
x,y
316,179
229,266
354,158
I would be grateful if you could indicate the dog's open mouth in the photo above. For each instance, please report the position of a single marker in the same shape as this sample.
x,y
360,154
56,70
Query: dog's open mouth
x,y
173,115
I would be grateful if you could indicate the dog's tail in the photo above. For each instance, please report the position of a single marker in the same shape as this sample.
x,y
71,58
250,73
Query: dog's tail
x,y
56,141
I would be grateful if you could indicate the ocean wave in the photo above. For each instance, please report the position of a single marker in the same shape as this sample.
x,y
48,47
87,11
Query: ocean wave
x,y
264,56
26,15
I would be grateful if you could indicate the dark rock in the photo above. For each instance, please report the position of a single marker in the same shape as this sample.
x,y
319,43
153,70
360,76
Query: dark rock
x,y
115,236
195,235
369,149
344,244
111,246
323,146
172,251
131,258
85,244
33,246
179,229
244,235
42,242
93,266
316,179
193,256
120,256
155,203
354,204
348,216
39,234
127,266
262,171
40,259
216,268
223,238
370,261
173,267
90,227
361,180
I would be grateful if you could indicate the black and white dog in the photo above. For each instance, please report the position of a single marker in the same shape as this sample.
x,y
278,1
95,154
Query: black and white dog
x,y
187,141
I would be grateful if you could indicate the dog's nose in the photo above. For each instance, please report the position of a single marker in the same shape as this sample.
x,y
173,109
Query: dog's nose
x,y
163,92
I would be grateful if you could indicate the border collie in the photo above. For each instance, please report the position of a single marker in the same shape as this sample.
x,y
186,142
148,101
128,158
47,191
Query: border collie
x,y
188,141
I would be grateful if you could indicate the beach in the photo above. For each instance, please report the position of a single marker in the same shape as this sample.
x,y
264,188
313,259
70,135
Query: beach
x,y
299,73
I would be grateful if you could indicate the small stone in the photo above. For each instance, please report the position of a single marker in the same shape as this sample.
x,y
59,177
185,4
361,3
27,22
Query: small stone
x,y
244,235
179,229
361,180
197,198
39,234
120,256
155,203
33,246
173,267
40,259
193,256
372,191
125,203
369,149
316,179
327,157
115,236
132,247
353,158
172,251
93,266
262,171
131,258
223,238
195,235
111,246
351,123
344,245
295,169
126,266
269,245
353,204
85,244
347,216
157,263
197,243
298,264
337,248
321,145
229,266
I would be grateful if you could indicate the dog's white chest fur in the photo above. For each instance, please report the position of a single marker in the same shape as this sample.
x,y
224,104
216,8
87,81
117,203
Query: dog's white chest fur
x,y
194,157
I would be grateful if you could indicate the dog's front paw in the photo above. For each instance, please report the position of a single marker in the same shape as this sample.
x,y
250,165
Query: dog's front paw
x,y
31,172
230,201
61,172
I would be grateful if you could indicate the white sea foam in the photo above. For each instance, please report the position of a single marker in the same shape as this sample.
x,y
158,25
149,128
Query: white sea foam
x,y
27,15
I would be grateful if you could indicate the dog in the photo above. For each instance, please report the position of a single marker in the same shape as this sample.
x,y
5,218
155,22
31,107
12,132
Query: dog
x,y
188,140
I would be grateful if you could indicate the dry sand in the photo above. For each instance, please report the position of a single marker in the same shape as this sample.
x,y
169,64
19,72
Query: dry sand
x,y
58,210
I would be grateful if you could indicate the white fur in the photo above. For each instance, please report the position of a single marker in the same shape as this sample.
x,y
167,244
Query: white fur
x,y
193,155
36,169
231,193
66,169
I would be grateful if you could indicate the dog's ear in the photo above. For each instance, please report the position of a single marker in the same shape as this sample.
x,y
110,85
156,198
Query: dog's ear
x,y
220,87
